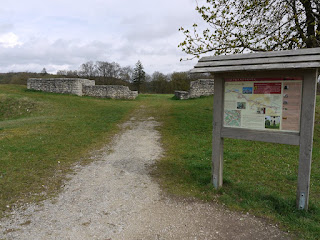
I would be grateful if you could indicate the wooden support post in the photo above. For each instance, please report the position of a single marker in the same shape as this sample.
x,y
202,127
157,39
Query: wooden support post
x,y
217,140
306,137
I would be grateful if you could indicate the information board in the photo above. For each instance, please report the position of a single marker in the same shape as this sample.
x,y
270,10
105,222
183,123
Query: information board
x,y
263,103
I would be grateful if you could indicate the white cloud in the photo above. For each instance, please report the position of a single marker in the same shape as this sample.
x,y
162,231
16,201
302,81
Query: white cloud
x,y
9,40
63,54
63,34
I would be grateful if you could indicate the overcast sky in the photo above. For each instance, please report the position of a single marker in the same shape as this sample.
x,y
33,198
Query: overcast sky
x,y
63,34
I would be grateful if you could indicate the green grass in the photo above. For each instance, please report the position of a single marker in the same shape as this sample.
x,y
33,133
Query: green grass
x,y
16,107
43,134
38,147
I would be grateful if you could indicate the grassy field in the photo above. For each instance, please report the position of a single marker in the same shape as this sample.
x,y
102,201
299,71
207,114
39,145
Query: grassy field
x,y
42,135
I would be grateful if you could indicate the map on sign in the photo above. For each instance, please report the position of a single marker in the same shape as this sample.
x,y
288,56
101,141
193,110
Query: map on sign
x,y
232,118
263,104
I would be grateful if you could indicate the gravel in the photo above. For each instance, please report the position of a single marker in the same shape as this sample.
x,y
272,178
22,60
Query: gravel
x,y
115,198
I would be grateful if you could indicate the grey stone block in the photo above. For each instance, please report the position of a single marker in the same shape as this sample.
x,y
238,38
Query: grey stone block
x,y
202,87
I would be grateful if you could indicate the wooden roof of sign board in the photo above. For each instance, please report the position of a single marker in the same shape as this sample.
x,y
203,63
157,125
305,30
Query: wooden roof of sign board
x,y
277,60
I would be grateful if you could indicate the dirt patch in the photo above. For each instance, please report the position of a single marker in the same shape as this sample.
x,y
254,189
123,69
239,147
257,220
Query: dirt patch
x,y
115,198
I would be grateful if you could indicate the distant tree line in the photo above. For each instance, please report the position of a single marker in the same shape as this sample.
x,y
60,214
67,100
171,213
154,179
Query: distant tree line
x,y
21,78
105,73
111,73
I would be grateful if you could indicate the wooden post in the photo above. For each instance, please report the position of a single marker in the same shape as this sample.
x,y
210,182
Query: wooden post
x,y
217,140
306,137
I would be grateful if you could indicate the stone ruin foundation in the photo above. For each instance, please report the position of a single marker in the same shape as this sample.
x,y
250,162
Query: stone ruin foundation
x,y
81,87
181,95
109,91
201,87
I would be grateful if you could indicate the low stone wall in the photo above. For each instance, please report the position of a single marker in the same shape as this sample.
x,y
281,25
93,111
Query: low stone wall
x,y
59,85
201,87
109,91
81,87
181,95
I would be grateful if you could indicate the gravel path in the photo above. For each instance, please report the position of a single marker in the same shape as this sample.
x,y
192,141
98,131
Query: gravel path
x,y
114,198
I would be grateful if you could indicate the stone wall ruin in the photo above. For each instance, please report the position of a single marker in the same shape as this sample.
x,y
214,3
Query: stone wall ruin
x,y
109,91
80,87
182,95
201,87
59,85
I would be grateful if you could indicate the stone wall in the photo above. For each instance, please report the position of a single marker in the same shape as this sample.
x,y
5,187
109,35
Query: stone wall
x,y
81,87
59,85
201,87
181,95
110,91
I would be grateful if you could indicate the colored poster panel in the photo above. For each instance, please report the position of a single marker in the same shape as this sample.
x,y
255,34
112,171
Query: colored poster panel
x,y
267,88
291,106
263,105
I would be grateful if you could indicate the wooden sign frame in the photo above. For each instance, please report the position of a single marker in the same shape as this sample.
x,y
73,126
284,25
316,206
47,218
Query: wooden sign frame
x,y
286,64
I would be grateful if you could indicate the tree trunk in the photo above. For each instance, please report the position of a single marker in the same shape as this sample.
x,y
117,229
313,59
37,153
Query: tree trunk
x,y
310,22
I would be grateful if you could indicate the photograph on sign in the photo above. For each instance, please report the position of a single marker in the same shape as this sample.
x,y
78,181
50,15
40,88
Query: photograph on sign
x,y
263,104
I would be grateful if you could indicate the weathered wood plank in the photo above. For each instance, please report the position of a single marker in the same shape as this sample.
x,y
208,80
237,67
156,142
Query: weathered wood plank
x,y
278,66
263,136
217,140
307,51
293,59
306,138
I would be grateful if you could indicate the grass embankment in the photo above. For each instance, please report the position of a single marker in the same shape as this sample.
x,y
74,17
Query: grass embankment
x,y
43,134
259,178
